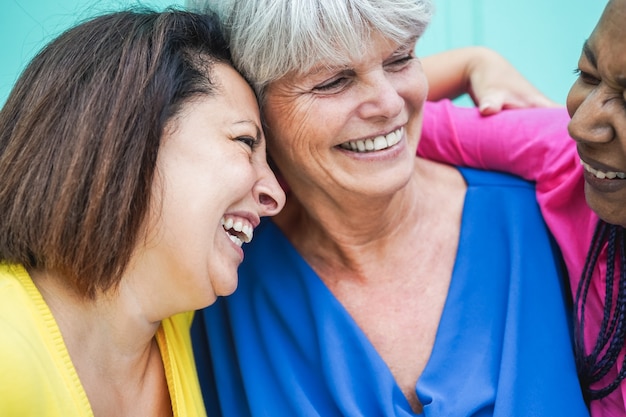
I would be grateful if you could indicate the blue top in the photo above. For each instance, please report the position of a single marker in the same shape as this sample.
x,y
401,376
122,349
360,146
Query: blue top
x,y
283,345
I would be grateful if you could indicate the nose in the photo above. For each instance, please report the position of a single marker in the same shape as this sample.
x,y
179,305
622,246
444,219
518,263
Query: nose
x,y
591,114
381,98
268,193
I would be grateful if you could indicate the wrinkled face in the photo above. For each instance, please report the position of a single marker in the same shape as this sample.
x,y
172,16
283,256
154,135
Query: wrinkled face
x,y
597,105
211,187
350,128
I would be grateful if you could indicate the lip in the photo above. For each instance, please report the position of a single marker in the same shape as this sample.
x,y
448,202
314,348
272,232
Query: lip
x,y
250,218
384,133
235,247
597,165
602,185
381,154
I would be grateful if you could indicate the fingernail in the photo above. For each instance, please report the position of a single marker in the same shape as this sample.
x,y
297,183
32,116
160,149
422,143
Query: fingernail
x,y
484,106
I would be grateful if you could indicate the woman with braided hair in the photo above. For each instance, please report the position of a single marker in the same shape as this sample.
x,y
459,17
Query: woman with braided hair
x,y
583,206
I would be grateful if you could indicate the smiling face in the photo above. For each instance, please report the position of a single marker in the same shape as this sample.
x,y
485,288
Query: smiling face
x,y
597,105
212,175
352,127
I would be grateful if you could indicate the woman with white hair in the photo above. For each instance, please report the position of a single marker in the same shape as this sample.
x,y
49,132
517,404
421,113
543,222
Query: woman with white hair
x,y
390,285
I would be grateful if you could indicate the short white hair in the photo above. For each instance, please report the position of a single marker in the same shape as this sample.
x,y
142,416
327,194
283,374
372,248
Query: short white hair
x,y
272,38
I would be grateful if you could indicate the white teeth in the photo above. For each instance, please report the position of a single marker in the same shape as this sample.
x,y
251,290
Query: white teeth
x,y
380,143
602,174
376,144
238,231
228,223
236,240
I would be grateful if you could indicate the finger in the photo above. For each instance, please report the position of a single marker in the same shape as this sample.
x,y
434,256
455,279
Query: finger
x,y
491,104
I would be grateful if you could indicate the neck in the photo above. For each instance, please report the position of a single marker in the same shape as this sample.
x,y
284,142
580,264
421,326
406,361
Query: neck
x,y
358,230
112,346
109,332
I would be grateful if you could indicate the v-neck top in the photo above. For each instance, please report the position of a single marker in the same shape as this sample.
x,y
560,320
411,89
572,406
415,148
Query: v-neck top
x,y
37,376
283,345
536,146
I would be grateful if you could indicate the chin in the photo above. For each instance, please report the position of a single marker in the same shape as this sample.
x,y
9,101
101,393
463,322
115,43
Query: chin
x,y
226,286
607,211
617,219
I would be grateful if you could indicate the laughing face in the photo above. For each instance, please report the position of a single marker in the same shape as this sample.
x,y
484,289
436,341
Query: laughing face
x,y
211,187
352,127
597,106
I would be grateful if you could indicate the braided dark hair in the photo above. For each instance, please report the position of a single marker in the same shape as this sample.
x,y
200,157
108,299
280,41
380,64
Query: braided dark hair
x,y
612,335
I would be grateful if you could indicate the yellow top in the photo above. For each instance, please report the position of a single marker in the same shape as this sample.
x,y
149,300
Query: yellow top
x,y
37,376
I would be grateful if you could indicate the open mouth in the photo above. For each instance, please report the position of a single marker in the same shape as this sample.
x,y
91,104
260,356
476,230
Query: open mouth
x,y
602,174
239,231
374,144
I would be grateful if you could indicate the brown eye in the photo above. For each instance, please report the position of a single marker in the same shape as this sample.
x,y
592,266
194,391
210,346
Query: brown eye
x,y
248,140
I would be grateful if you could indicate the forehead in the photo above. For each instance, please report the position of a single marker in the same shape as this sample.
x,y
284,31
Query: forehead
x,y
611,26
608,39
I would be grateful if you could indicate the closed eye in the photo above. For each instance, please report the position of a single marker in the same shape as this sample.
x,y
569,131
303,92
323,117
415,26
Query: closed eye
x,y
401,62
250,141
586,77
332,85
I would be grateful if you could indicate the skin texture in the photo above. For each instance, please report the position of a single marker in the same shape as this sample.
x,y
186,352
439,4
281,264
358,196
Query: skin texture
x,y
383,88
596,104
211,164
350,213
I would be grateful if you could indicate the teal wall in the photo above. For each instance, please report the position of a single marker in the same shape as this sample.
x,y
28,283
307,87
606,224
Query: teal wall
x,y
542,38
27,25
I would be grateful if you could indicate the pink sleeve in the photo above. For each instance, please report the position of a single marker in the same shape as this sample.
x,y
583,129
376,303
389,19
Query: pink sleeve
x,y
531,143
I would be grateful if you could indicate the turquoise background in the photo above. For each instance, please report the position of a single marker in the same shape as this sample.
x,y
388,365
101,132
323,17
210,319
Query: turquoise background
x,y
542,38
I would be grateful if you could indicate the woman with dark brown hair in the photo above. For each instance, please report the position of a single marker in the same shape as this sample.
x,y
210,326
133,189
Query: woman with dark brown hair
x,y
133,168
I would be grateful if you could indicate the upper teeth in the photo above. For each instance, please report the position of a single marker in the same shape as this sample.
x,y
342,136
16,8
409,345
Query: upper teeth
x,y
243,229
374,144
602,174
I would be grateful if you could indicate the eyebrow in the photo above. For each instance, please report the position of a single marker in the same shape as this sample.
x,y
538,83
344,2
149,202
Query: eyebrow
x,y
589,54
621,80
258,136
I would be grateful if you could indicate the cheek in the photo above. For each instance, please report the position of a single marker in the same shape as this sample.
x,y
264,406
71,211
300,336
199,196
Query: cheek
x,y
575,97
289,129
414,88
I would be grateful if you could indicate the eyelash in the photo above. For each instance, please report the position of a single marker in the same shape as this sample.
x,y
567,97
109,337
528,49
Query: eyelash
x,y
403,60
585,76
339,81
249,140
590,79
331,85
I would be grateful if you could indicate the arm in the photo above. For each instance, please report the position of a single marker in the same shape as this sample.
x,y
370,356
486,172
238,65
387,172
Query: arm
x,y
492,82
531,143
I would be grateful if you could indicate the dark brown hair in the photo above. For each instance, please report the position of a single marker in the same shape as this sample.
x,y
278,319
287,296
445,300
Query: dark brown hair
x,y
80,133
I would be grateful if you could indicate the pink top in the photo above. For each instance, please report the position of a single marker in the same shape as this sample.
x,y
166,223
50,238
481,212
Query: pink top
x,y
534,144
